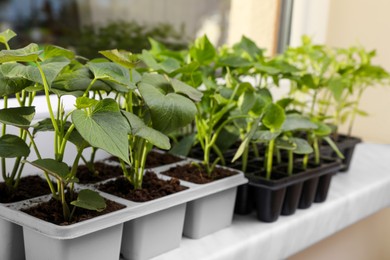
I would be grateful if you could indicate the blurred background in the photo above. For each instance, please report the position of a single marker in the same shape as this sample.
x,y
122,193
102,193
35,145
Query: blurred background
x,y
88,26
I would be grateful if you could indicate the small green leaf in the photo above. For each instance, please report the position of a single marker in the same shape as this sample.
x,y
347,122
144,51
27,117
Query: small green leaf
x,y
91,200
7,35
265,135
274,116
12,146
59,170
138,128
296,122
17,116
30,53
124,58
322,129
334,147
302,146
203,51
85,102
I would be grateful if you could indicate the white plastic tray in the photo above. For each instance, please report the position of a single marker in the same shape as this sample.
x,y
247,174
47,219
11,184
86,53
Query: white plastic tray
x,y
133,210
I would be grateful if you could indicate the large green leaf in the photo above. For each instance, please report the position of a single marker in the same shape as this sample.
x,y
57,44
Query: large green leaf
x,y
183,88
203,51
91,200
169,111
30,53
11,81
17,116
169,65
78,80
51,68
167,84
7,35
138,128
59,170
12,146
124,58
104,127
296,122
110,71
51,51
274,116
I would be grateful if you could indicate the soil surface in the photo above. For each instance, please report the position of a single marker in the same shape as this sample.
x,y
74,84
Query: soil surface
x,y
152,188
29,187
51,211
155,159
102,172
196,173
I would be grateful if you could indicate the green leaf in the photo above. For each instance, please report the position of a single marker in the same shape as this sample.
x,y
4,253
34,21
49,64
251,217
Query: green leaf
x,y
124,58
302,146
104,127
203,51
296,122
12,146
285,144
51,68
274,117
248,46
322,129
17,116
85,102
59,170
183,88
334,147
91,200
169,111
138,128
7,35
30,53
10,80
110,71
265,135
183,147
51,51
78,80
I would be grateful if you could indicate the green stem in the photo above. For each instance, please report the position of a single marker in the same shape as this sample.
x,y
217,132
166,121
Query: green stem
x,y
316,151
270,153
89,87
305,161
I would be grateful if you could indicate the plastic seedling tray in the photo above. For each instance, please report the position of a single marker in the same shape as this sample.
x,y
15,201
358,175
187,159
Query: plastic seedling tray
x,y
133,210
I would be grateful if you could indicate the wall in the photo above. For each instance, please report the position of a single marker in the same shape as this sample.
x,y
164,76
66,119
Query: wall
x,y
367,239
350,22
366,23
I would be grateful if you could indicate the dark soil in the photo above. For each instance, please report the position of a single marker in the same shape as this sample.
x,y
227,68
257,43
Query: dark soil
x,y
51,211
196,173
155,159
102,172
152,188
29,187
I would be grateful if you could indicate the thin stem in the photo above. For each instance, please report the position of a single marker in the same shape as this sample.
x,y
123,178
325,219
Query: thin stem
x,y
89,87
270,153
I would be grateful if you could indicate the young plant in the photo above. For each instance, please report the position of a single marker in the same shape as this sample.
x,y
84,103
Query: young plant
x,y
11,145
99,123
154,107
